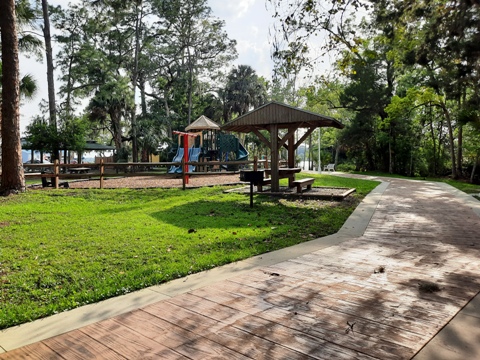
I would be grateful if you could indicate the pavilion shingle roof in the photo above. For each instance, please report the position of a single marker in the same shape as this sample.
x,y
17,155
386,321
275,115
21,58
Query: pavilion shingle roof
x,y
283,115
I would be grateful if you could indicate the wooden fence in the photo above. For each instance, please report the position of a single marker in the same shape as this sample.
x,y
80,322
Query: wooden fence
x,y
57,171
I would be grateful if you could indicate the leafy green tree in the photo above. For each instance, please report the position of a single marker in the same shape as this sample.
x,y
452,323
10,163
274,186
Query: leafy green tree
x,y
163,47
299,20
42,136
109,106
472,148
196,43
323,97
46,137
244,91
445,40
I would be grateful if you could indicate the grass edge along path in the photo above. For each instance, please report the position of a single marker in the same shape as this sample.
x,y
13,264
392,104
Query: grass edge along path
x,y
61,249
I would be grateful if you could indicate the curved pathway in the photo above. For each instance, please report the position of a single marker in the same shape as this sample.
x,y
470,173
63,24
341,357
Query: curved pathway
x,y
385,287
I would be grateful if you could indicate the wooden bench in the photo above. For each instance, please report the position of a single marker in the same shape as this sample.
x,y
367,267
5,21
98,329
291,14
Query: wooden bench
x,y
51,182
329,167
265,181
79,170
301,183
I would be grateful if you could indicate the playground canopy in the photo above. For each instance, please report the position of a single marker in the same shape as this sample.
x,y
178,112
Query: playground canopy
x,y
274,116
203,123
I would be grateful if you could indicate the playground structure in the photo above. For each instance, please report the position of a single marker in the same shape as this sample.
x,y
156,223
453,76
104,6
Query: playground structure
x,y
209,144
189,154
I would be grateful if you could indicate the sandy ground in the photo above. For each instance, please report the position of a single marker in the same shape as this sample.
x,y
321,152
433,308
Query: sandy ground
x,y
142,182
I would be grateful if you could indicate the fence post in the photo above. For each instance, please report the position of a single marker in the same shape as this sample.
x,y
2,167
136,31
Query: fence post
x,y
55,173
255,163
102,168
184,180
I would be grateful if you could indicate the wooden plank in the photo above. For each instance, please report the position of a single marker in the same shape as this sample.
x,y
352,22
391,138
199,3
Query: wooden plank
x,y
371,344
296,340
213,310
77,345
234,301
221,332
335,321
127,342
295,302
252,346
37,351
184,318
145,324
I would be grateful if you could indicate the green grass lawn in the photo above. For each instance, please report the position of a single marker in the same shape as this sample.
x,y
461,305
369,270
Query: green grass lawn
x,y
64,248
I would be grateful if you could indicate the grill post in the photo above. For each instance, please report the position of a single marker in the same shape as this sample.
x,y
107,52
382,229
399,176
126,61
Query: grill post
x,y
252,176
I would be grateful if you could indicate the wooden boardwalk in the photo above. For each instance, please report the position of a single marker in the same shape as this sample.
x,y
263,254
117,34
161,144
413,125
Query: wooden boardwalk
x,y
362,299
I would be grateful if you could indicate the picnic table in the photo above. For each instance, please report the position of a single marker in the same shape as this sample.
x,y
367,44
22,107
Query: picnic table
x,y
285,173
79,170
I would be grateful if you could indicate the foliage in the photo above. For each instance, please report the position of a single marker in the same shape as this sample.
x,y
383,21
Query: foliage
x,y
91,245
69,135
244,91
408,71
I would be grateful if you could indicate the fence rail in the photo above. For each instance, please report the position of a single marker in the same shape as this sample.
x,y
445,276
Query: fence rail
x,y
102,170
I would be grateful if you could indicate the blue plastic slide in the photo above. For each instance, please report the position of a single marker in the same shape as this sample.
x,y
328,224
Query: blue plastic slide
x,y
178,158
242,153
193,155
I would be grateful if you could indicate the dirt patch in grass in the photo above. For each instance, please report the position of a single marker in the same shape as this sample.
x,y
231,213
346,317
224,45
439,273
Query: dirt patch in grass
x,y
144,182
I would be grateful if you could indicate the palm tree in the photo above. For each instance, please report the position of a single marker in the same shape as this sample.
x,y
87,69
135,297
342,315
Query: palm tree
x,y
12,177
244,91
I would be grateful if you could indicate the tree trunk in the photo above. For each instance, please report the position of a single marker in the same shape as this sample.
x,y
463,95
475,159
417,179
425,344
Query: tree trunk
x,y
432,131
190,87
50,76
390,157
143,97
116,117
472,176
460,151
12,178
167,114
337,151
451,139
49,58
138,24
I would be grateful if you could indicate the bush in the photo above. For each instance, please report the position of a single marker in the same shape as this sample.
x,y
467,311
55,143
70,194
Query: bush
x,y
345,167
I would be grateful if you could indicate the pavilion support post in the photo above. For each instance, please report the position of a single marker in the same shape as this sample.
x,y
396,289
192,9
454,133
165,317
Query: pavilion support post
x,y
291,151
274,157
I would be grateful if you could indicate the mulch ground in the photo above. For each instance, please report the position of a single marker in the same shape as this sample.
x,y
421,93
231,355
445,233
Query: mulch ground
x,y
144,182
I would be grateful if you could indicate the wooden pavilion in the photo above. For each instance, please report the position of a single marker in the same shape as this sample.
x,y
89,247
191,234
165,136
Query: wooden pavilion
x,y
273,117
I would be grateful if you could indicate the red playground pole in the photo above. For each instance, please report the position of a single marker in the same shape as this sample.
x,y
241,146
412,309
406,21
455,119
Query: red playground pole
x,y
185,137
185,157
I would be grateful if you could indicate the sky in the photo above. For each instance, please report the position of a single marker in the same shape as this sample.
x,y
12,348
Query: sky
x,y
246,21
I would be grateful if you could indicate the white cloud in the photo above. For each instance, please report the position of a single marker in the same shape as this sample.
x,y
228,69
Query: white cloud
x,y
243,6
232,9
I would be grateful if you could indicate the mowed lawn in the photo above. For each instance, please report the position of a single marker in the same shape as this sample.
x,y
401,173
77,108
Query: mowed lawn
x,y
60,249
